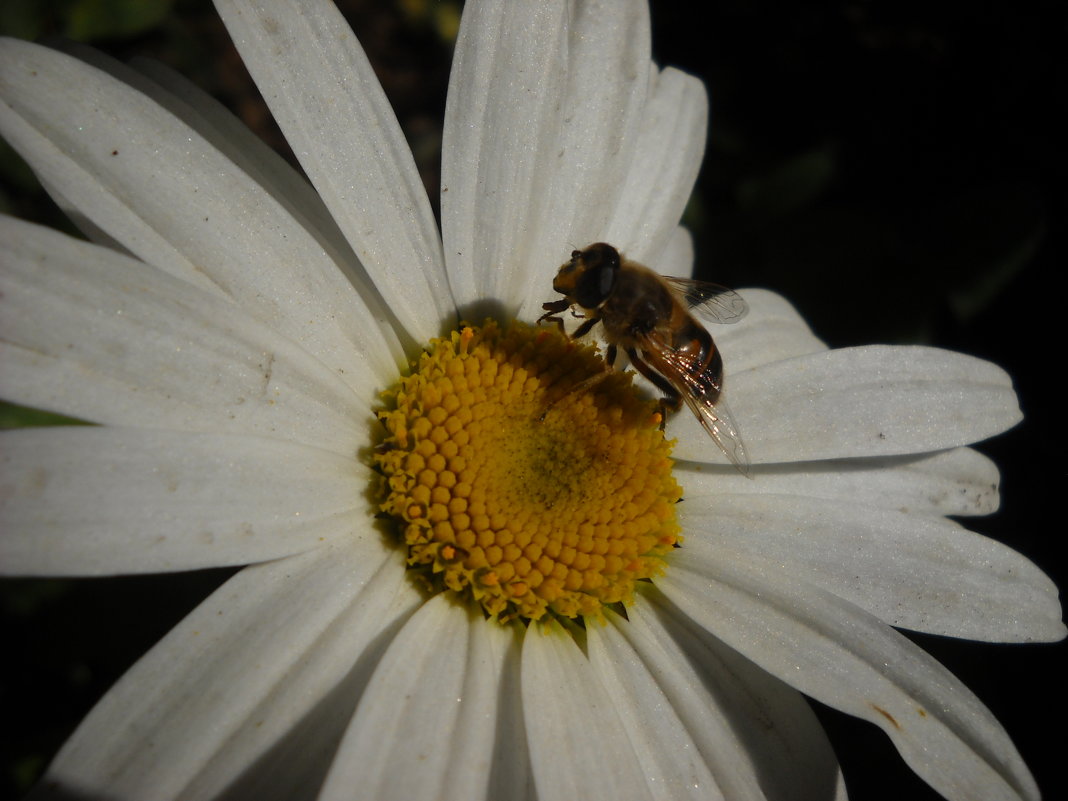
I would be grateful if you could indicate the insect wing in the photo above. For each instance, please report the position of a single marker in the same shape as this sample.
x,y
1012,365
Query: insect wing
x,y
708,300
696,387
716,419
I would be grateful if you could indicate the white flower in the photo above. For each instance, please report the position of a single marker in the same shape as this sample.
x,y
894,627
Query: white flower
x,y
232,330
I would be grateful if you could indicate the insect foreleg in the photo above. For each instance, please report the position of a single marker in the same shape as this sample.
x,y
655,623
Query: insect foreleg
x,y
552,308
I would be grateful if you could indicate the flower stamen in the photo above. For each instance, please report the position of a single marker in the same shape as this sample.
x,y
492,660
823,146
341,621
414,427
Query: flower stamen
x,y
518,493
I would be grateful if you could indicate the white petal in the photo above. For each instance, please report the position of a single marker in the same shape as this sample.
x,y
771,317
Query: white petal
x,y
759,735
314,75
836,653
509,76
578,748
960,481
225,132
96,335
756,735
913,571
771,332
91,500
427,725
677,258
673,764
671,144
596,133
149,182
511,776
868,401
264,674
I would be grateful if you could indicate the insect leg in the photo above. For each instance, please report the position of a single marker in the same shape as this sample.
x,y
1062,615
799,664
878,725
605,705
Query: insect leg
x,y
672,400
584,329
552,308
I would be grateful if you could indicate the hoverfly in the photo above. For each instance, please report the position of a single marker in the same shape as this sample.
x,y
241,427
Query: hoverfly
x,y
651,318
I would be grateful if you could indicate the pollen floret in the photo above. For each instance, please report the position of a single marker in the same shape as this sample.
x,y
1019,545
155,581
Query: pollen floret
x,y
514,489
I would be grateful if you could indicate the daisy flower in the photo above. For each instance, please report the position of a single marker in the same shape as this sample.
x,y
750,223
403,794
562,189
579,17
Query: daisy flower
x,y
463,580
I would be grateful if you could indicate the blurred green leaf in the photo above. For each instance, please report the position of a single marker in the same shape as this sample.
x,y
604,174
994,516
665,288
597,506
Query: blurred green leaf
x,y
24,18
14,416
90,20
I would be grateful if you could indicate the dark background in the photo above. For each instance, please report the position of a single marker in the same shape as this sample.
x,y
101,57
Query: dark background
x,y
897,169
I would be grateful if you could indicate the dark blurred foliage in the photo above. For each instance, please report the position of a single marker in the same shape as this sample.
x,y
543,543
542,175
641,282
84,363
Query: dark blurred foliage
x,y
896,169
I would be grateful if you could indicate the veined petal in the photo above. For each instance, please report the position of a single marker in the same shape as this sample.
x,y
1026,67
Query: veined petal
x,y
773,331
960,481
597,125
677,258
840,655
664,166
90,500
758,735
673,765
427,725
218,697
913,571
705,725
512,776
231,137
590,756
147,181
508,81
867,401
324,95
225,132
90,333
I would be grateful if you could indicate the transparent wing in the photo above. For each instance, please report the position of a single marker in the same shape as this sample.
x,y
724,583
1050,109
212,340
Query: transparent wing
x,y
708,300
698,389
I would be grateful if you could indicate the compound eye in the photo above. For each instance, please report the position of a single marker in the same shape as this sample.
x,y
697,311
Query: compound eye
x,y
595,285
611,257
608,278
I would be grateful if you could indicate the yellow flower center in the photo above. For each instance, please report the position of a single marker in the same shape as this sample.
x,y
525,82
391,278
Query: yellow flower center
x,y
516,487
